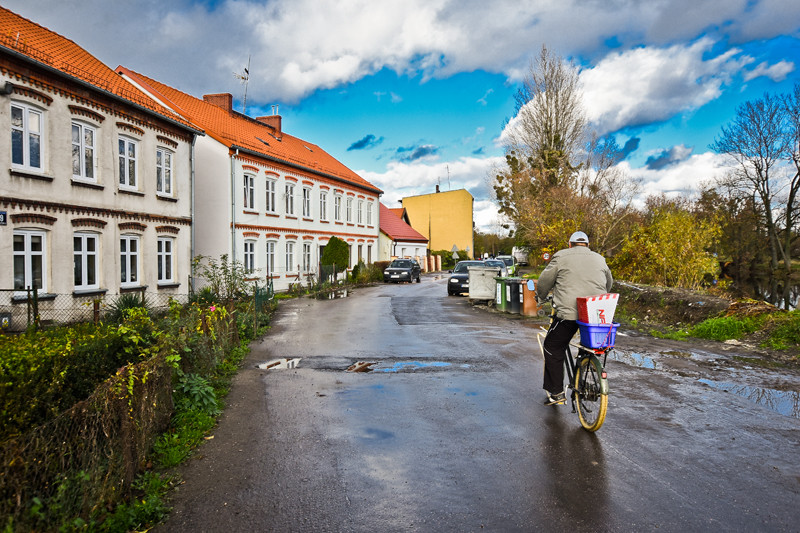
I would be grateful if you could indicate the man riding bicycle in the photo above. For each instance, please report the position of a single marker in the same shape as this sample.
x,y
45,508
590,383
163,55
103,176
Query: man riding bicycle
x,y
573,273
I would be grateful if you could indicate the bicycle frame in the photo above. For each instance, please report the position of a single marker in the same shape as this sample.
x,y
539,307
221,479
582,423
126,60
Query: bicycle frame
x,y
571,364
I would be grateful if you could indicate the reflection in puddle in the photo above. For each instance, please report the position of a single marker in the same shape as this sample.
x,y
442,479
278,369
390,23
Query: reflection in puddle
x,y
786,403
331,295
279,364
415,365
633,359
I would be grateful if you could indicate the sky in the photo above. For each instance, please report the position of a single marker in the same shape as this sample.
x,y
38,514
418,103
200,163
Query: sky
x,y
412,94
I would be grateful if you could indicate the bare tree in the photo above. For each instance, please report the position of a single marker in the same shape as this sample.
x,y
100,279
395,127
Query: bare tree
x,y
760,142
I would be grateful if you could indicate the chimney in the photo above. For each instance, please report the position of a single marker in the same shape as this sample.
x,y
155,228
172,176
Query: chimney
x,y
273,121
437,187
222,100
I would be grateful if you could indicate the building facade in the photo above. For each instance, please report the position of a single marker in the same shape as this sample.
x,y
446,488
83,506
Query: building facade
x,y
95,195
398,239
266,198
444,218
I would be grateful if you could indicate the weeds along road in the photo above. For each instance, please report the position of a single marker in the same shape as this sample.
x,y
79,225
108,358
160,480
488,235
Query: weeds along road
x,y
448,432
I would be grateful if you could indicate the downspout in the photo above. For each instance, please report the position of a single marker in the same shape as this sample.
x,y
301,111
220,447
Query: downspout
x,y
233,206
192,187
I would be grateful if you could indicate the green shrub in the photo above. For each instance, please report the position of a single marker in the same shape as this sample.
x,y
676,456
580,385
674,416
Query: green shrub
x,y
125,302
725,328
784,331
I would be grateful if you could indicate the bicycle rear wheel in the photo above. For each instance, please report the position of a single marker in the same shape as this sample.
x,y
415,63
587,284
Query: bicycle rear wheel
x,y
591,393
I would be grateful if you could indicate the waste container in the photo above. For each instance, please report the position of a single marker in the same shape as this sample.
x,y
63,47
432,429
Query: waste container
x,y
513,295
482,284
500,299
530,307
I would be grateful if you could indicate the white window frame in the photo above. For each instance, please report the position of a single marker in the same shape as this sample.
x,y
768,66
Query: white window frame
x,y
289,256
270,197
128,257
28,256
306,202
360,211
165,255
84,257
164,159
271,257
128,162
289,197
306,257
249,183
323,205
83,151
249,256
337,207
32,128
349,209
369,213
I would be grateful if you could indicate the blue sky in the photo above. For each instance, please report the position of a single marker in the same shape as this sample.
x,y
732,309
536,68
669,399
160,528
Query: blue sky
x,y
415,93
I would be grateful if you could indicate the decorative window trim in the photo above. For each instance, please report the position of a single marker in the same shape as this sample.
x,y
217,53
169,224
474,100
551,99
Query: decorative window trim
x,y
32,218
167,229
88,222
86,113
17,173
30,93
252,234
132,226
166,140
130,128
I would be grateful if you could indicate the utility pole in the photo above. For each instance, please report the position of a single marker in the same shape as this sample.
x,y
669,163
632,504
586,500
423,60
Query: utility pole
x,y
244,78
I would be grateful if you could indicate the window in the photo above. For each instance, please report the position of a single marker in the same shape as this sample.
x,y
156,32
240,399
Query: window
x,y
129,260
84,253
369,213
323,205
164,171
271,207
83,151
337,208
306,202
289,198
270,258
164,257
29,260
360,256
349,212
127,162
249,191
26,136
289,256
359,212
306,257
249,256
369,253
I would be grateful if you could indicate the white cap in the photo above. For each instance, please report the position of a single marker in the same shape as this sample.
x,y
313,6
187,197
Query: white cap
x,y
579,236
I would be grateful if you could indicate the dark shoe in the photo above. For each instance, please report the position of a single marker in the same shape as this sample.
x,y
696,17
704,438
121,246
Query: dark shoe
x,y
555,399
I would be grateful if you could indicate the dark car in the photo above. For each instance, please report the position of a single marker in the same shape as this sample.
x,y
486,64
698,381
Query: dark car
x,y
459,277
402,270
499,264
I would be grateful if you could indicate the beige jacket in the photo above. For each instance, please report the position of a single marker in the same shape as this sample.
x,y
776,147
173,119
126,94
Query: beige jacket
x,y
573,273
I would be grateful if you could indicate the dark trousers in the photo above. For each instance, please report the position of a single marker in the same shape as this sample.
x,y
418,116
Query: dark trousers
x,y
555,350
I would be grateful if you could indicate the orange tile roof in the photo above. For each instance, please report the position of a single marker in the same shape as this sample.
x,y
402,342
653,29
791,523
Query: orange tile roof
x,y
236,130
396,228
22,36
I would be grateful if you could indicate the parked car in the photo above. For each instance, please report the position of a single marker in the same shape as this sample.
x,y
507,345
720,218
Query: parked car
x,y
499,264
459,277
402,270
510,262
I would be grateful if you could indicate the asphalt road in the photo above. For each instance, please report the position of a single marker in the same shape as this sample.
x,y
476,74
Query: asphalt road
x,y
448,432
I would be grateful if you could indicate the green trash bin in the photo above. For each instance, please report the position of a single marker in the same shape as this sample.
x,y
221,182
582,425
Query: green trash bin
x,y
500,299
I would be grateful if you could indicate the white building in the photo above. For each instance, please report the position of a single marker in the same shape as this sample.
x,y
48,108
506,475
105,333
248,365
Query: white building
x,y
96,196
266,198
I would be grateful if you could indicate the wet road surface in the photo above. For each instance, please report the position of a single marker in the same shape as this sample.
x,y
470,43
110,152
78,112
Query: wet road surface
x,y
448,431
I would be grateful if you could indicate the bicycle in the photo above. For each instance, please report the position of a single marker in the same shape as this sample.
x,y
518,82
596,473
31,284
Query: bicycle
x,y
586,375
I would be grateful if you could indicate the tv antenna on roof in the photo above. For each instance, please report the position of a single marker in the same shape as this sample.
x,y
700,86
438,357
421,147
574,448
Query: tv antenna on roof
x,y
244,78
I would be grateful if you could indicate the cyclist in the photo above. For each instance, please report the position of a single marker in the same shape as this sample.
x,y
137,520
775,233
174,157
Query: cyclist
x,y
573,273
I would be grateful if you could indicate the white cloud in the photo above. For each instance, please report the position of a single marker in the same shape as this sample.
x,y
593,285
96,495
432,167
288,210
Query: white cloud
x,y
776,72
682,178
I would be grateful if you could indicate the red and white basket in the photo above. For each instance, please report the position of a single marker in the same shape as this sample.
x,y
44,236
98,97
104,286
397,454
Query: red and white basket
x,y
597,309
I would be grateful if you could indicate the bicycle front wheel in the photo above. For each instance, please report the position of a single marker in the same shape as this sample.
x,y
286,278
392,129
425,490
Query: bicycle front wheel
x,y
591,391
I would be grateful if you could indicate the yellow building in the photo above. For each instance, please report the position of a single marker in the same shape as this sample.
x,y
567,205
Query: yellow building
x,y
444,218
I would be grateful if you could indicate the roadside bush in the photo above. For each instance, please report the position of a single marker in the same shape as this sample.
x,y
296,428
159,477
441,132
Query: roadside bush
x,y
725,328
784,331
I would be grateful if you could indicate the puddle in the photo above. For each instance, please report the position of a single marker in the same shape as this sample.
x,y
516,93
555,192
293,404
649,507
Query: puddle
x,y
786,403
279,364
332,295
401,366
633,359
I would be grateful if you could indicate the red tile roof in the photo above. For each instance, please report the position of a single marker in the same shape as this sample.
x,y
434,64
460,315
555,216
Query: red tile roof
x,y
21,36
236,130
396,228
